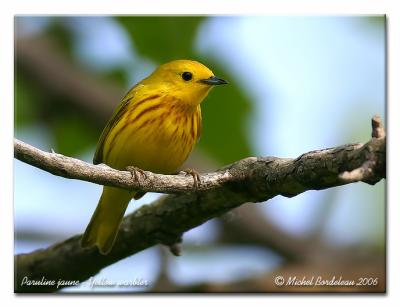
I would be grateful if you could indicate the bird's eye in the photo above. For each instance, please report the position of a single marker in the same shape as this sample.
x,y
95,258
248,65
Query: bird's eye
x,y
187,76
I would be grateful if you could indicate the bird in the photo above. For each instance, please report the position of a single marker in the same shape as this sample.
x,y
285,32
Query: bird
x,y
154,128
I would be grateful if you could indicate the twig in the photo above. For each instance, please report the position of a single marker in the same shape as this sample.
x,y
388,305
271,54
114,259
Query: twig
x,y
377,127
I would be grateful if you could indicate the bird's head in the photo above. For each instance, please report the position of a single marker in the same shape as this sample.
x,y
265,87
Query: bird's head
x,y
189,81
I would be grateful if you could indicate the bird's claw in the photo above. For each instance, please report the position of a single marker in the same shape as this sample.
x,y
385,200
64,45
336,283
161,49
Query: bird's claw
x,y
136,172
194,174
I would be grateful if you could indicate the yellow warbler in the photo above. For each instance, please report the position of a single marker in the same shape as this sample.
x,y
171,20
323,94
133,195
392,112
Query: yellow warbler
x,y
154,128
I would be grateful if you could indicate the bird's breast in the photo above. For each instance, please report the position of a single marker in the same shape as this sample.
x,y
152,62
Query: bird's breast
x,y
159,140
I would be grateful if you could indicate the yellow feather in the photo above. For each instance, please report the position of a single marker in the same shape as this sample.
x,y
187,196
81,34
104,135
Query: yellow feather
x,y
154,128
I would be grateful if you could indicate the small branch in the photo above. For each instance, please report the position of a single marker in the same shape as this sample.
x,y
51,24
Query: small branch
x,y
358,174
377,128
72,168
366,171
165,220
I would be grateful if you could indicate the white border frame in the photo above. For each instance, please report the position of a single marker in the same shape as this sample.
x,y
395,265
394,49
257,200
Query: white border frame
x,y
239,7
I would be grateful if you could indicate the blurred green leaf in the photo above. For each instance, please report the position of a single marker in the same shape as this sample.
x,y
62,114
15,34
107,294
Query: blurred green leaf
x,y
163,38
73,134
116,76
60,34
376,20
26,97
225,112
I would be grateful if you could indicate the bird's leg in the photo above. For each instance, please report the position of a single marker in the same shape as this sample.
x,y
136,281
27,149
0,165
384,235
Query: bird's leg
x,y
194,174
136,172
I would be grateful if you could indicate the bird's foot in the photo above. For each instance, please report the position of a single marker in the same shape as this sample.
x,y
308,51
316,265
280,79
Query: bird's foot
x,y
194,174
136,172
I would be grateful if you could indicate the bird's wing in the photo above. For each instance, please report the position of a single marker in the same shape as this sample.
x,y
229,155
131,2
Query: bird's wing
x,y
98,156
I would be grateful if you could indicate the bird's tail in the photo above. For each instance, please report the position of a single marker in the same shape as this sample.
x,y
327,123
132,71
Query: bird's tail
x,y
103,227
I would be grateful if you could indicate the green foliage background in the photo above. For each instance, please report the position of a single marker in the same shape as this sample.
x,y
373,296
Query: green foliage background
x,y
158,39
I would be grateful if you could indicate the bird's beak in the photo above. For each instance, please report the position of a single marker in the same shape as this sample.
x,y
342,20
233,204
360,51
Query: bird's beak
x,y
213,81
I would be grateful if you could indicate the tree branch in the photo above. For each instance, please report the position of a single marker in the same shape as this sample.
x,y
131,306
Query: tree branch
x,y
165,220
